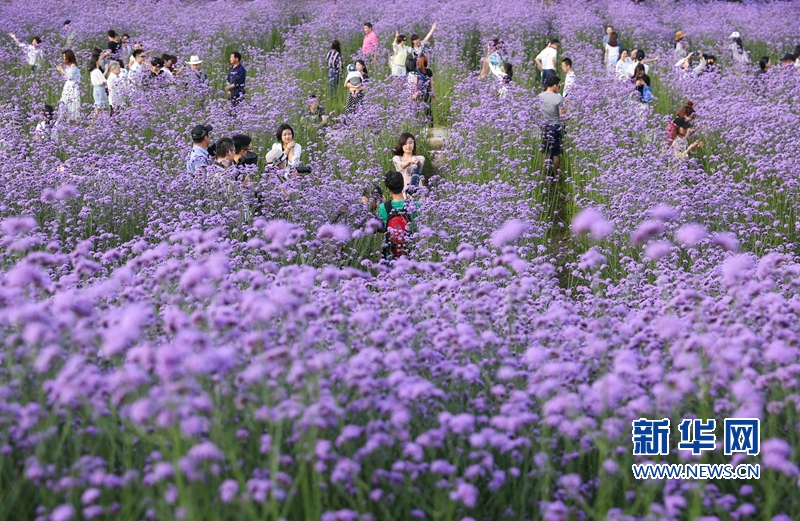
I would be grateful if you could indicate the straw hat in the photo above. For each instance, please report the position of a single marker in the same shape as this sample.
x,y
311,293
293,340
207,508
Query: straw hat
x,y
194,60
679,35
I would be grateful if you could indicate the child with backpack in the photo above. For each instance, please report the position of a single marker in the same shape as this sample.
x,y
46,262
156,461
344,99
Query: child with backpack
x,y
397,216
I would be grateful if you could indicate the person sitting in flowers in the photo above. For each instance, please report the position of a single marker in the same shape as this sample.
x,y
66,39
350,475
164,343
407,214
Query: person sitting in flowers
x,y
680,145
407,161
285,154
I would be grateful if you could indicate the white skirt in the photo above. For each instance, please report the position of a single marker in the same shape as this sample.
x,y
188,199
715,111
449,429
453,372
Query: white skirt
x,y
71,100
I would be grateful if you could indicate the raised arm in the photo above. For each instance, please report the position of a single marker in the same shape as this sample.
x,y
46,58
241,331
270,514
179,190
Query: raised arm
x,y
430,33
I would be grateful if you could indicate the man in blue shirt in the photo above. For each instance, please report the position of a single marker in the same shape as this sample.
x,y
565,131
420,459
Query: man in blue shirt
x,y
199,158
236,78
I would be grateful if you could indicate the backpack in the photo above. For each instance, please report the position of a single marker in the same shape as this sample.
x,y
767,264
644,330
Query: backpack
x,y
423,85
398,223
647,94
411,62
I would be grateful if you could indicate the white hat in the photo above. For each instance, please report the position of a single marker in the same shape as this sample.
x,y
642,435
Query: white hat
x,y
735,34
194,60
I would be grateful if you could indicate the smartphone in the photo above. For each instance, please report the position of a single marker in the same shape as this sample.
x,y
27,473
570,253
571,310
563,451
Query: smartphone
x,y
696,54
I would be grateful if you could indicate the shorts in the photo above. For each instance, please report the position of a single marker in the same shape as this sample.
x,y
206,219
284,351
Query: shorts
x,y
551,140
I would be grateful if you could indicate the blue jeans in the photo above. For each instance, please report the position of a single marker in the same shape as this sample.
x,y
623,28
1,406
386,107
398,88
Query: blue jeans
x,y
416,174
547,73
333,80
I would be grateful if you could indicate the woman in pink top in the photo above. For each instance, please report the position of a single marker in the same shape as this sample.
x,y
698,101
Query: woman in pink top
x,y
406,161
370,45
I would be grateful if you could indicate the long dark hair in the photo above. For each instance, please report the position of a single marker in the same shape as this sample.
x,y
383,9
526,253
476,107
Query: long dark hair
x,y
69,57
401,142
364,66
93,62
739,44
612,39
336,45
796,51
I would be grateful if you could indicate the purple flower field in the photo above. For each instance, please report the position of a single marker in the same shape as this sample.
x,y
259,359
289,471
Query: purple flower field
x,y
192,347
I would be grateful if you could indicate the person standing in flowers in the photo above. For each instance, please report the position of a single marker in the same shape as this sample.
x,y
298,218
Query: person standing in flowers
x,y
569,76
137,72
116,83
33,51
68,34
401,51
125,49
357,77
70,103
236,79
680,146
370,46
621,69
98,80
681,45
494,59
407,161
418,47
546,61
553,110
335,63
738,54
199,159
421,81
195,72
612,52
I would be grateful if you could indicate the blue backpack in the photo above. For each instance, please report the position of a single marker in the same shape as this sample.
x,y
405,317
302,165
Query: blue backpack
x,y
423,87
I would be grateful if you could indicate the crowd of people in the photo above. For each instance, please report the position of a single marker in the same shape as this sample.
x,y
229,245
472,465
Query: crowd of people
x,y
122,67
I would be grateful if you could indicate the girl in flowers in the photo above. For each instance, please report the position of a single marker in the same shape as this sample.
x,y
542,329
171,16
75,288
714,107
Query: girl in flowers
x,y
357,77
98,79
681,148
407,161
70,103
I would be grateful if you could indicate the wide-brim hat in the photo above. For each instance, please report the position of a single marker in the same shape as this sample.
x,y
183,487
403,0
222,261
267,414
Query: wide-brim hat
x,y
194,60
679,35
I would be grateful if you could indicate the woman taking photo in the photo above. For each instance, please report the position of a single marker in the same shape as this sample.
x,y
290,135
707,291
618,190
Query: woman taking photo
x,y
71,93
406,161
285,154
98,80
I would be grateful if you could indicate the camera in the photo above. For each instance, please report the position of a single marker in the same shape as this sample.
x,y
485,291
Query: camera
x,y
303,169
695,54
212,149
249,159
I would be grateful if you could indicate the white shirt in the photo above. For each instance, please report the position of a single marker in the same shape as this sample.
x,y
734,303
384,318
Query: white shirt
x,y
622,69
97,77
569,81
632,68
33,54
135,74
548,58
277,150
612,51
114,83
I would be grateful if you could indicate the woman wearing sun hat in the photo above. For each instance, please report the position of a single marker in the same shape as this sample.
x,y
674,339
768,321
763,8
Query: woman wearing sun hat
x,y
738,53
681,45
195,72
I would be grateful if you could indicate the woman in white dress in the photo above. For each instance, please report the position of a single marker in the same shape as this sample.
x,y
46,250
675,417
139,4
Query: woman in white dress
x,y
70,103
612,51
